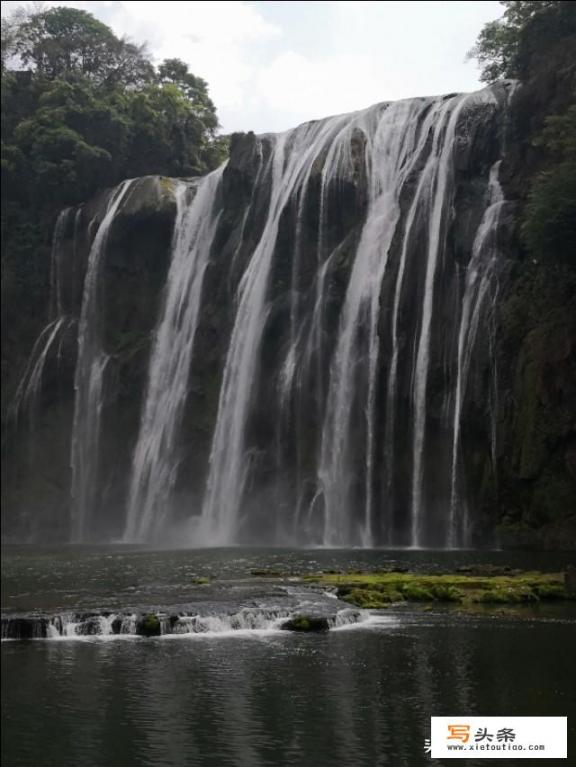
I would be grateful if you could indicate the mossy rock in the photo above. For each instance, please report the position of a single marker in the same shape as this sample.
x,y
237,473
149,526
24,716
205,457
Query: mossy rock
x,y
499,586
148,626
306,623
413,592
372,599
264,572
446,593
503,596
550,591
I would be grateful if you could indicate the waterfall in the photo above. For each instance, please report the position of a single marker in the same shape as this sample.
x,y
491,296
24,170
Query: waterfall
x,y
289,167
89,379
440,194
388,148
479,282
155,457
30,385
357,256
56,267
423,189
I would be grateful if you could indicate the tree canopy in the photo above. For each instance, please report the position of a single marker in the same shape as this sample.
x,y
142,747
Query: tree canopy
x,y
505,47
82,109
64,42
530,40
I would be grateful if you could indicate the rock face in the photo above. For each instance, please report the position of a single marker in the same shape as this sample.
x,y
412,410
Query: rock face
x,y
340,386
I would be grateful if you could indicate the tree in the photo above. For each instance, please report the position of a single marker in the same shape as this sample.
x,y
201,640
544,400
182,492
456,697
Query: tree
x,y
67,42
506,46
91,110
82,110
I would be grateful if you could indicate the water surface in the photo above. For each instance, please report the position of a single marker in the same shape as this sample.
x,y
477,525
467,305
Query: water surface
x,y
358,696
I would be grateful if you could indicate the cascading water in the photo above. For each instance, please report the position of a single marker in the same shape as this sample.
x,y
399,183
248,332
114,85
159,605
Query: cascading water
x,y
440,191
29,388
89,379
289,170
347,244
155,456
392,150
479,285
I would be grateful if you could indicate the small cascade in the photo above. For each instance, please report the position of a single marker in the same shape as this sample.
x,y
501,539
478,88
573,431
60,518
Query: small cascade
x,y
155,455
30,386
89,379
479,288
180,623
57,271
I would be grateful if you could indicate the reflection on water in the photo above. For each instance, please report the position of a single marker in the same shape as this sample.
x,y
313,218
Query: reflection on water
x,y
356,697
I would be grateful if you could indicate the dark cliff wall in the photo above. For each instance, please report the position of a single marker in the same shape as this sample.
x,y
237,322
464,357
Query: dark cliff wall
x,y
37,433
537,331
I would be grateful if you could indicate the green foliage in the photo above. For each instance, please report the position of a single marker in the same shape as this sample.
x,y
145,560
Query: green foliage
x,y
91,110
507,47
550,220
446,593
550,591
82,110
67,42
503,595
415,592
549,228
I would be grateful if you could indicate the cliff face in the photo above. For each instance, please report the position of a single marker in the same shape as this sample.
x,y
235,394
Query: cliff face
x,y
537,332
341,376
38,422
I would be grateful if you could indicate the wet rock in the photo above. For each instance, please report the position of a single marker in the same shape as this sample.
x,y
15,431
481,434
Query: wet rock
x,y
24,628
148,626
306,623
117,625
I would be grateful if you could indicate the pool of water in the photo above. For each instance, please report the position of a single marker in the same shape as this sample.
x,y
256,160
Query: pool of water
x,y
361,695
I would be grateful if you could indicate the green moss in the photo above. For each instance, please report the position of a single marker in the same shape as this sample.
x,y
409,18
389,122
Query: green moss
x,y
371,599
306,623
167,185
517,595
446,593
264,572
149,626
300,623
413,592
550,591
379,589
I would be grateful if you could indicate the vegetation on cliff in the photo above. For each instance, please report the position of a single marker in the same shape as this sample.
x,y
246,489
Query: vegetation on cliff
x,y
535,42
82,110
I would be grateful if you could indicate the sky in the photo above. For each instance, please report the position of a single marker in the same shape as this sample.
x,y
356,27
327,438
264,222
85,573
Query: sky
x,y
273,65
